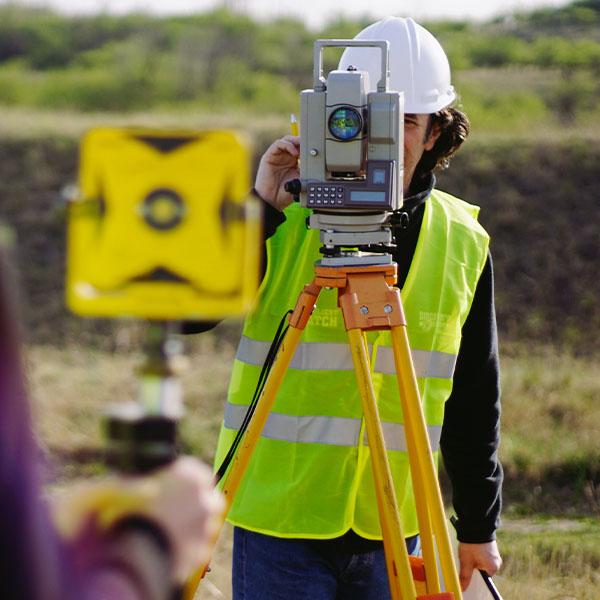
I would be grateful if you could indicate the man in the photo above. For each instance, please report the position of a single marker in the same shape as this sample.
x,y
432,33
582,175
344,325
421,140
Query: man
x,y
305,514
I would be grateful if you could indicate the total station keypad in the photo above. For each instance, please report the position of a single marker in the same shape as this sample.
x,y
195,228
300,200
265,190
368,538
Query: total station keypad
x,y
325,195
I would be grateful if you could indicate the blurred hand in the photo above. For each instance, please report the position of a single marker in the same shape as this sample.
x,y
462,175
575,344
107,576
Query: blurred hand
x,y
178,499
278,165
485,557
187,508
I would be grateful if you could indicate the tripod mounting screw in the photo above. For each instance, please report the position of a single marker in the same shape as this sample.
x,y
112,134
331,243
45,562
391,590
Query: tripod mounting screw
x,y
388,309
364,310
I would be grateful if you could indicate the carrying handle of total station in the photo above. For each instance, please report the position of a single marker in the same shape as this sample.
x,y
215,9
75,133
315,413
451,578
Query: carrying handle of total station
x,y
319,83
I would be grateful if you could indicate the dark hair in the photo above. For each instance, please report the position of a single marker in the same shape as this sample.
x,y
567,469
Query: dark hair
x,y
454,129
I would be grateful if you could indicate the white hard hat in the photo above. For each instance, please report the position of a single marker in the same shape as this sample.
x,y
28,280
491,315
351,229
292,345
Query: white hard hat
x,y
417,63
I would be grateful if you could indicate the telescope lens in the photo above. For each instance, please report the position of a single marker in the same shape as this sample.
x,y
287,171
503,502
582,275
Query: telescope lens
x,y
345,123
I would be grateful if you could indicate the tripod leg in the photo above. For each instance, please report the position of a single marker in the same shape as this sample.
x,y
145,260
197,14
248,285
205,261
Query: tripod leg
x,y
424,519
259,418
399,572
421,459
235,473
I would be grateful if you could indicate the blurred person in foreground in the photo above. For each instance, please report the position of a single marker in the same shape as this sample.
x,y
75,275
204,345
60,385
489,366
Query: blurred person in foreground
x,y
165,520
305,516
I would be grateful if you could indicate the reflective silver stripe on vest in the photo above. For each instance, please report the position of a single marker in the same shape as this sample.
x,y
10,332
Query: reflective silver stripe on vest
x,y
427,364
318,356
395,439
310,356
333,431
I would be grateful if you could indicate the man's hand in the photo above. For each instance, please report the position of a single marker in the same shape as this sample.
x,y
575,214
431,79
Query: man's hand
x,y
485,557
278,165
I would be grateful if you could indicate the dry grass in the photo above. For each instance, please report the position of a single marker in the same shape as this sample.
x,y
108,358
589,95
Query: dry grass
x,y
72,387
551,417
217,583
551,400
551,560
551,404
28,123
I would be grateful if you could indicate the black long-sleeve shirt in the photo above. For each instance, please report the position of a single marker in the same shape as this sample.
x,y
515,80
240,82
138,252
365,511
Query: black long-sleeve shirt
x,y
470,431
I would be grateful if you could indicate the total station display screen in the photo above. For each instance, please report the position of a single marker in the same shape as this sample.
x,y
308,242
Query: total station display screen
x,y
367,196
378,176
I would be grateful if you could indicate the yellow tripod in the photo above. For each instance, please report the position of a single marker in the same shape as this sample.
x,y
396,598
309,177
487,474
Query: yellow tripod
x,y
369,302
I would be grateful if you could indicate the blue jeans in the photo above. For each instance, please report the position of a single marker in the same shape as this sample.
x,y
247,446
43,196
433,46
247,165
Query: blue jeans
x,y
270,568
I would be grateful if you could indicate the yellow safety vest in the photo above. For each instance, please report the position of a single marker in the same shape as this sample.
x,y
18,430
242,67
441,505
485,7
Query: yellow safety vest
x,y
310,474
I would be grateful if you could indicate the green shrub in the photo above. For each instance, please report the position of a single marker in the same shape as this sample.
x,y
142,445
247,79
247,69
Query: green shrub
x,y
93,90
498,51
257,90
12,86
491,110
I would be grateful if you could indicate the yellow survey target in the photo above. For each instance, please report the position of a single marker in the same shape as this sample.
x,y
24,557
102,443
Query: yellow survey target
x,y
163,226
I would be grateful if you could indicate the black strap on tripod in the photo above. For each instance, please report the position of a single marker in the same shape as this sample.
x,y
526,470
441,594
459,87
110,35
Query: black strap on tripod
x,y
262,379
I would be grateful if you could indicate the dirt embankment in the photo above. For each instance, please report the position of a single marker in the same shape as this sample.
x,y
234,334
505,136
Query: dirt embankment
x,y
539,202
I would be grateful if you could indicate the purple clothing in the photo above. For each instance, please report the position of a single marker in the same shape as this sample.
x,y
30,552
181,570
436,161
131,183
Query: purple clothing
x,y
130,564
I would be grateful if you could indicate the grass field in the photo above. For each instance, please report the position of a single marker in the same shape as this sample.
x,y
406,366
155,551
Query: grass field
x,y
550,559
23,122
550,538
33,123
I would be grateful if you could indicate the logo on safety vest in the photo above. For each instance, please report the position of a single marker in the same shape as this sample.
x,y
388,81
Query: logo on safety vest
x,y
428,321
325,317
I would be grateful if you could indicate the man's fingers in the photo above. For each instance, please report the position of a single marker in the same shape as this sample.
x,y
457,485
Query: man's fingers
x,y
294,139
284,145
492,566
477,556
465,574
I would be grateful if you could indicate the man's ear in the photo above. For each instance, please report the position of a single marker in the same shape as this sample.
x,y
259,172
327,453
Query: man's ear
x,y
434,133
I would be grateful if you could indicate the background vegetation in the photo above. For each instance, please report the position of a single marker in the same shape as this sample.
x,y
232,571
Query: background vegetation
x,y
530,83
542,65
538,200
550,532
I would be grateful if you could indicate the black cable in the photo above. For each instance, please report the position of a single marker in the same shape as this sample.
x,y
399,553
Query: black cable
x,y
262,379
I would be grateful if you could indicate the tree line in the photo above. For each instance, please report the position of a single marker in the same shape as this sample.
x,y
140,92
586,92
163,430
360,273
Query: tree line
x,y
228,60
